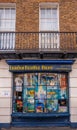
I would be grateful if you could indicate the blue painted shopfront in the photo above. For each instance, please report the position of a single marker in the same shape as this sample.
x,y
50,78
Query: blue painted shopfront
x,y
40,92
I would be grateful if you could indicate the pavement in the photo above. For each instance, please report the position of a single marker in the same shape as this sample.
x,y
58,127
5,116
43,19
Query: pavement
x,y
40,128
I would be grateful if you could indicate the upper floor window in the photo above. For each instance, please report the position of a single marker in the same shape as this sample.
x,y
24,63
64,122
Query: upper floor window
x,y
7,17
49,22
49,17
7,24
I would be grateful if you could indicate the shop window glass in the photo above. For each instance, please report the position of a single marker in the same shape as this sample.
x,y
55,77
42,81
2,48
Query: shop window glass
x,y
40,93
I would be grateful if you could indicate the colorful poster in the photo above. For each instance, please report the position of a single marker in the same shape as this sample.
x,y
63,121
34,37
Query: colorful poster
x,y
40,106
62,94
51,93
19,105
42,79
63,83
40,92
62,102
52,105
51,79
30,105
34,80
63,109
30,93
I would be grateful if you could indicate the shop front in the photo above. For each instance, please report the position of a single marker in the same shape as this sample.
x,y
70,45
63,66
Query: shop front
x,y
40,92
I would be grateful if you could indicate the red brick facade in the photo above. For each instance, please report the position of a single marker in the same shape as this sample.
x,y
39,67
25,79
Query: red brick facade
x,y
27,14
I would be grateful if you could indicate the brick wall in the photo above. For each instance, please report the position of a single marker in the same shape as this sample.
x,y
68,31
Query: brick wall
x,y
27,19
28,14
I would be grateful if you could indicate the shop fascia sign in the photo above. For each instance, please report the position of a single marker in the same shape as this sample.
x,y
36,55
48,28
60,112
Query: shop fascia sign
x,y
40,65
40,68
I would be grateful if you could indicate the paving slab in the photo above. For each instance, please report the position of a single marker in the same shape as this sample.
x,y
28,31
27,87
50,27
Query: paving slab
x,y
40,128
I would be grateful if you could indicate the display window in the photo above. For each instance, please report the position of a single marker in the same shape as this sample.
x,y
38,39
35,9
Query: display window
x,y
40,93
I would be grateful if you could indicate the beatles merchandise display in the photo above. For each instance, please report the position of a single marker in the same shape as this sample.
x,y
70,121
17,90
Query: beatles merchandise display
x,y
40,93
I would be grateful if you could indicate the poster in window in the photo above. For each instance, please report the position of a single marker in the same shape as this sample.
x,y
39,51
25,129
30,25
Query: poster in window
x,y
30,105
34,79
63,109
30,92
52,93
52,105
19,105
27,79
52,80
40,92
62,94
18,81
62,105
42,79
62,102
63,82
40,106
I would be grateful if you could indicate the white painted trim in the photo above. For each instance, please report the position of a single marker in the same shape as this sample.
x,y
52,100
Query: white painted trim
x,y
48,5
7,5
10,6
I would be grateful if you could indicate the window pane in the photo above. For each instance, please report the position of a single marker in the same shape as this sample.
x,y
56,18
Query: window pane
x,y
30,105
54,13
42,13
48,13
51,93
40,106
49,19
52,105
7,24
30,93
18,95
13,13
12,25
1,13
7,13
62,105
7,19
2,25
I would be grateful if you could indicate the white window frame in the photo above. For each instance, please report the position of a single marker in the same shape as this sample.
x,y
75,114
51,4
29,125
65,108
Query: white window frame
x,y
8,45
48,5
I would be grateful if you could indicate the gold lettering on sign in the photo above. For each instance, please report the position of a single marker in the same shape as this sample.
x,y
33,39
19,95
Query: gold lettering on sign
x,y
38,67
46,67
34,67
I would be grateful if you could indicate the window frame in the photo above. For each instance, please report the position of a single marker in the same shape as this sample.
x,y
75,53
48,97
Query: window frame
x,y
5,6
52,45
6,34
35,113
48,5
